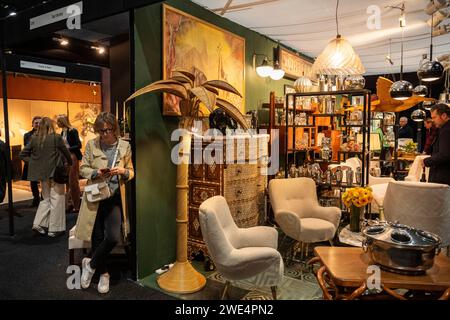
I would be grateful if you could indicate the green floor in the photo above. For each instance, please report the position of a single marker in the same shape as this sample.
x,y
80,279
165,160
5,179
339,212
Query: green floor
x,y
296,285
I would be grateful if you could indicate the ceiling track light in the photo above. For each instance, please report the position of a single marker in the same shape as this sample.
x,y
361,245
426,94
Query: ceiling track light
x,y
62,41
100,49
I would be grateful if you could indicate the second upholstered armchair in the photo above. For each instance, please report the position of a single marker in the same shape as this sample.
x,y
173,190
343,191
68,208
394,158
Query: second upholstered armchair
x,y
240,253
298,213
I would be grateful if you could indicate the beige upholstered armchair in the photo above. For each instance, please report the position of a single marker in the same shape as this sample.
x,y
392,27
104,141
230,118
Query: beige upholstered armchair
x,y
240,253
298,213
421,205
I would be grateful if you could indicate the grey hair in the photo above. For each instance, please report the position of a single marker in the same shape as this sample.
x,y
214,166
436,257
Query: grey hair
x,y
404,118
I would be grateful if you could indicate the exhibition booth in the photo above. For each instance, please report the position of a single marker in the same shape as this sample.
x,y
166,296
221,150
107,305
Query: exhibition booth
x,y
292,172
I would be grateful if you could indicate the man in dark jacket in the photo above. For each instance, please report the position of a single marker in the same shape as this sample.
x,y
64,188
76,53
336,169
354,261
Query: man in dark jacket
x,y
405,131
439,162
26,140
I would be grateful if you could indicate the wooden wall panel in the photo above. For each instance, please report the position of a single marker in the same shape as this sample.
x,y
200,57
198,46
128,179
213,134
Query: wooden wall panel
x,y
51,90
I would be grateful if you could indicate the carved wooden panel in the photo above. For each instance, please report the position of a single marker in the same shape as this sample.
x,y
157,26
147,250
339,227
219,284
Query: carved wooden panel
x,y
213,172
242,185
195,231
200,192
196,171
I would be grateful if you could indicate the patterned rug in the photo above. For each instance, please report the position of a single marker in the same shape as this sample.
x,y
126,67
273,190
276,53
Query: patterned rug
x,y
294,286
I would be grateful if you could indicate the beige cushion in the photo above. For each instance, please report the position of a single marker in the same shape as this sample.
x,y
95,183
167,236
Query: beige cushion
x,y
239,253
298,213
316,230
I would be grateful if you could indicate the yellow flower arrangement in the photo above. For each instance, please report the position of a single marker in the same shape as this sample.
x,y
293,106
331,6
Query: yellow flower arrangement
x,y
359,197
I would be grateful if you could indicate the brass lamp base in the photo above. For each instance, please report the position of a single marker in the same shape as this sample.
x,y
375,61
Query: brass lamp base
x,y
181,278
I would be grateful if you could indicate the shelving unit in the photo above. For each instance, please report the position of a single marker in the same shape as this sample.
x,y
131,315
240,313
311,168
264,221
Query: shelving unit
x,y
339,118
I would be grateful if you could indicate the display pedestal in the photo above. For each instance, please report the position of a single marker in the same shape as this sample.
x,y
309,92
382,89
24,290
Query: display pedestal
x,y
181,278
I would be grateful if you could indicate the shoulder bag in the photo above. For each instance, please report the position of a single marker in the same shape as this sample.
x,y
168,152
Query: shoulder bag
x,y
100,191
61,174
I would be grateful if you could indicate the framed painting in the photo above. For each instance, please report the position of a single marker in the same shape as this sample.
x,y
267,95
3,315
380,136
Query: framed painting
x,y
210,53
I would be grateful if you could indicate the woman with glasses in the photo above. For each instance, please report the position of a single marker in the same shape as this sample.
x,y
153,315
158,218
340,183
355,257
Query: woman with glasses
x,y
107,158
73,143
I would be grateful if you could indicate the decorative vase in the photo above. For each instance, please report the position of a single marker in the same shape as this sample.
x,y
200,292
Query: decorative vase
x,y
302,84
355,218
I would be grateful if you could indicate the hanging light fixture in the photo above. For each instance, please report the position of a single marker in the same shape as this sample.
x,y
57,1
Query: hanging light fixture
x,y
420,90
430,70
338,57
427,105
277,73
265,69
402,89
418,115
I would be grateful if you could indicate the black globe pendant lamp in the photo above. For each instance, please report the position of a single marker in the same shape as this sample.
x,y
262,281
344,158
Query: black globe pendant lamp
x,y
430,70
402,89
420,90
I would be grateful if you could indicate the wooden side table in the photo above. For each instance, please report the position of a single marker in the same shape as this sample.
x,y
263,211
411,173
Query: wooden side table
x,y
343,275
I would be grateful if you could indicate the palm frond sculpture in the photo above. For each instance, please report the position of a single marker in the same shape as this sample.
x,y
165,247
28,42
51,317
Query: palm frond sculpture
x,y
182,277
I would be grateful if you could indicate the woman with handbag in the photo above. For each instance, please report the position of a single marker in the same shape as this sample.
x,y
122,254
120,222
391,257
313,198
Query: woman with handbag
x,y
45,155
73,143
107,165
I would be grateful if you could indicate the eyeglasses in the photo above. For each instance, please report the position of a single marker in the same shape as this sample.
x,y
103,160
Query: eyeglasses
x,y
108,130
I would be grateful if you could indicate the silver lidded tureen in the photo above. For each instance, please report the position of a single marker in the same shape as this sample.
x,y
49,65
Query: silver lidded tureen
x,y
400,248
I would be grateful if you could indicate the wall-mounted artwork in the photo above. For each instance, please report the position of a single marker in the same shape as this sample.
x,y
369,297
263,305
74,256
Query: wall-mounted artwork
x,y
205,50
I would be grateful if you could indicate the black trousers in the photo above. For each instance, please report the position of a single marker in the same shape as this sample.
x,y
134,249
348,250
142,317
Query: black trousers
x,y
107,231
35,190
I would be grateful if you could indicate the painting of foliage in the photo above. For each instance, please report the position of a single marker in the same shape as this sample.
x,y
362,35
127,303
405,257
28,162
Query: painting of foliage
x,y
204,50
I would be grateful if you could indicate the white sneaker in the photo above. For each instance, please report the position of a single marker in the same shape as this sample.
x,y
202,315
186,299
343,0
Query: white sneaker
x,y
103,283
87,273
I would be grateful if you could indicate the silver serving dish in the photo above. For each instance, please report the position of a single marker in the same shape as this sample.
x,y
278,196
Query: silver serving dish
x,y
400,248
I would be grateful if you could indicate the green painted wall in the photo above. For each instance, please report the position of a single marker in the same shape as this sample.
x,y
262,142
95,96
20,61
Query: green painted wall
x,y
156,175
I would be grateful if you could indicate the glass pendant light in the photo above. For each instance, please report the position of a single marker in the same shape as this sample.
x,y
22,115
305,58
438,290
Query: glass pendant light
x,y
402,89
277,73
420,90
430,70
265,69
338,57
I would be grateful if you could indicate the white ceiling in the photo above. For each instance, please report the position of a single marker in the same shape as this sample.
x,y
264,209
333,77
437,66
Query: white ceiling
x,y
308,25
